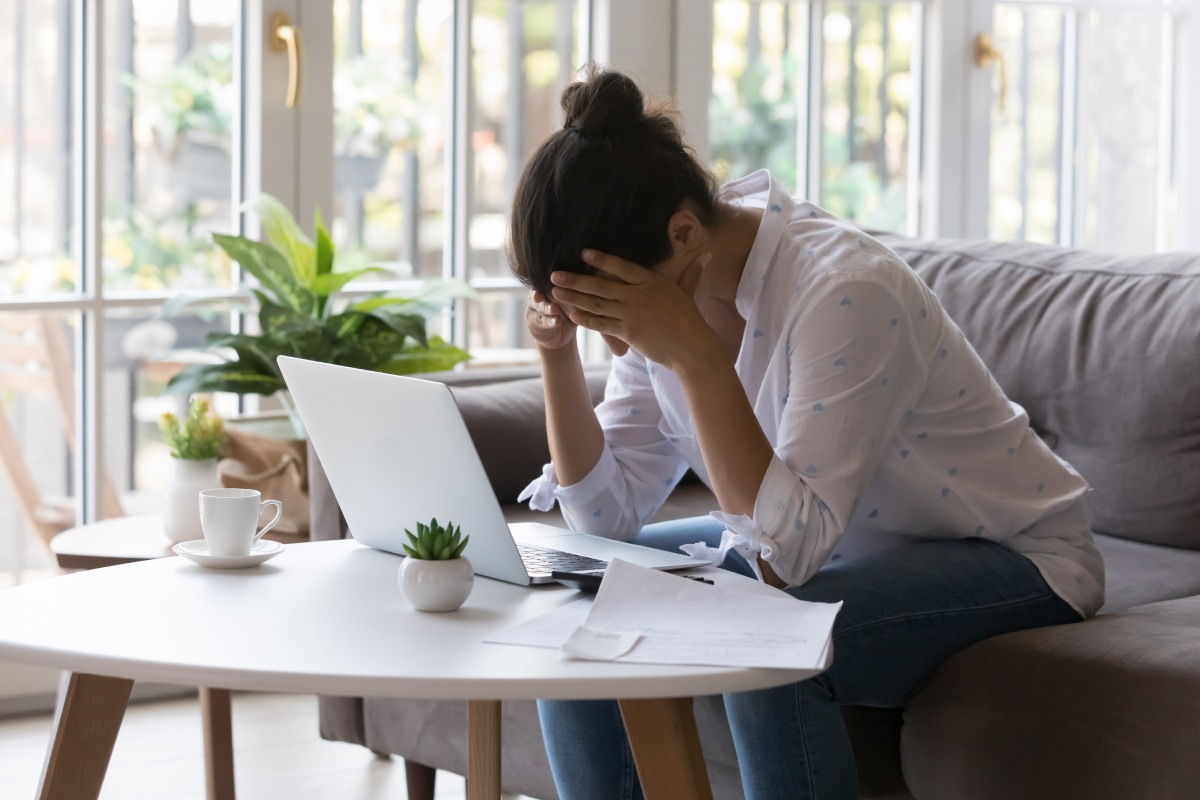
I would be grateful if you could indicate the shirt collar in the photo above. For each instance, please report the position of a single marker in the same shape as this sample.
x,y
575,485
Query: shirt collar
x,y
759,190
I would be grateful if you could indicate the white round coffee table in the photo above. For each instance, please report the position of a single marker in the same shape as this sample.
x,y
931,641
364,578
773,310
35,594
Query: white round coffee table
x,y
328,618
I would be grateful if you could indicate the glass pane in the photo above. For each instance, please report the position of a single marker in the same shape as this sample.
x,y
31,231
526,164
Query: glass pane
x,y
170,109
523,54
37,149
759,55
1119,163
867,91
1117,157
142,354
391,84
1026,138
496,329
37,417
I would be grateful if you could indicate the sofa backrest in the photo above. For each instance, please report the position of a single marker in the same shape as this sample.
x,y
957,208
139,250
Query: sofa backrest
x,y
1104,354
505,413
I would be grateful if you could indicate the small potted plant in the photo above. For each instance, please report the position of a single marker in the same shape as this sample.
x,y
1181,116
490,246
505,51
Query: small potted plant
x,y
195,447
435,576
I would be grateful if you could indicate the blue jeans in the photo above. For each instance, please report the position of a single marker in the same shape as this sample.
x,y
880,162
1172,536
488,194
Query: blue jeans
x,y
904,612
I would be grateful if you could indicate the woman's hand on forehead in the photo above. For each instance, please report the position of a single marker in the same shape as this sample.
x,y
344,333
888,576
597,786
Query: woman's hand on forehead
x,y
637,306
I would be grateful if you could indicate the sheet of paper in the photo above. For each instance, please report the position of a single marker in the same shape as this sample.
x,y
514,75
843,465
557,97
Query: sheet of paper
x,y
685,622
548,630
677,621
591,645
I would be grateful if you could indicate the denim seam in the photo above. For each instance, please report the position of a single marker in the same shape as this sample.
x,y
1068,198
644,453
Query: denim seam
x,y
947,612
812,783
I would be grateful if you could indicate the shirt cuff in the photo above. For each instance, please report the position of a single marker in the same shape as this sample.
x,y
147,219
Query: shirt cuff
x,y
545,490
746,535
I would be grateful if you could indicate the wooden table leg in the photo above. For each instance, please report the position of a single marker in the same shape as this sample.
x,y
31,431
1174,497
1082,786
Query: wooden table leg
x,y
85,729
216,714
666,748
483,749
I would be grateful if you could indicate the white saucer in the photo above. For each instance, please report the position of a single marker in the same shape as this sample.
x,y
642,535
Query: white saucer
x,y
197,551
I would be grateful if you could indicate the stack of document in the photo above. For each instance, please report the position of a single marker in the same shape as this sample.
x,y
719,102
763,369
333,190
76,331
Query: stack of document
x,y
645,616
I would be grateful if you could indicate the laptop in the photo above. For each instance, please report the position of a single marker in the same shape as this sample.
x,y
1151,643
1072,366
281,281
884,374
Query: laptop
x,y
396,451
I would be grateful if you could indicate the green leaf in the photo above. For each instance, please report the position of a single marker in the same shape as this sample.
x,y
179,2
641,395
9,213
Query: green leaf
x,y
409,325
344,325
253,352
423,550
324,247
439,356
410,551
274,318
444,554
284,233
373,345
332,283
182,301
427,300
324,264
271,270
228,377
462,546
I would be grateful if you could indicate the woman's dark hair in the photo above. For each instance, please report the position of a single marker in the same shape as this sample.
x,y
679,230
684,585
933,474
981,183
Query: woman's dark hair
x,y
609,180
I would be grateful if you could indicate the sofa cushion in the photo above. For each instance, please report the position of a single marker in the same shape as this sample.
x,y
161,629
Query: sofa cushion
x,y
1137,573
1103,709
507,422
1102,351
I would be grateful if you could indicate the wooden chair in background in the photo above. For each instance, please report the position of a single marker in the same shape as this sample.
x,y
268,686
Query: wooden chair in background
x,y
36,359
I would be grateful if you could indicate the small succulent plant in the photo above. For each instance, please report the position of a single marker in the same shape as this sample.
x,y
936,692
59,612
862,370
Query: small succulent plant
x,y
433,542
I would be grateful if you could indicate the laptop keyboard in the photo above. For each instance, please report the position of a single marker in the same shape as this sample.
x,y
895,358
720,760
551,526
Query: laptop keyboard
x,y
542,561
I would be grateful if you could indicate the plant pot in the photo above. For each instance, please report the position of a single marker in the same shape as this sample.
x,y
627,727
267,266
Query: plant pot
x,y
436,585
181,513
357,173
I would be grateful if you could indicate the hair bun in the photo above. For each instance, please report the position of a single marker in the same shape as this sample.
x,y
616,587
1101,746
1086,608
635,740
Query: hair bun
x,y
604,102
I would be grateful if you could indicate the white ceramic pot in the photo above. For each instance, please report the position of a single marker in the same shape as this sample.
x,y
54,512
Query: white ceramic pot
x,y
436,585
181,514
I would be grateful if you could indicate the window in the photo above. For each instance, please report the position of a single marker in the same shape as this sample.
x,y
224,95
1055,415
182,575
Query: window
x,y
824,95
875,110
1083,144
130,133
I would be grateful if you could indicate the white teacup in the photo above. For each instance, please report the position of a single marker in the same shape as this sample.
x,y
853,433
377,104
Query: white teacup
x,y
229,517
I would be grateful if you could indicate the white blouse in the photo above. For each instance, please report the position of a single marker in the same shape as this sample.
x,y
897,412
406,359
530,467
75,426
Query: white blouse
x,y
887,427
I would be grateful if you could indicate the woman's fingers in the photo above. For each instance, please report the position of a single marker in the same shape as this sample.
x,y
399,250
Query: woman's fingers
x,y
616,266
598,285
597,322
571,298
542,305
617,346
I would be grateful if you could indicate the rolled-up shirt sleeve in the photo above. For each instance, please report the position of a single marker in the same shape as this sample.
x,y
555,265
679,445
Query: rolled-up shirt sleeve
x,y
637,467
854,368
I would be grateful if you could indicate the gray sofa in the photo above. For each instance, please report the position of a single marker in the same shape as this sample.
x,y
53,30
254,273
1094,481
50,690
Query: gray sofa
x,y
1104,353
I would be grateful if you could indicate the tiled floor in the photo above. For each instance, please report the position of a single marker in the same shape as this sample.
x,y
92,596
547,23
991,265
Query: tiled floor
x,y
277,754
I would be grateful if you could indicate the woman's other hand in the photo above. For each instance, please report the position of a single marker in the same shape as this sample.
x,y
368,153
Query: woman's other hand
x,y
548,323
633,306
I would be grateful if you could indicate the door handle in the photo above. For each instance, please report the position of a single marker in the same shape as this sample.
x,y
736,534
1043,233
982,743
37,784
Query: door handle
x,y
985,55
284,36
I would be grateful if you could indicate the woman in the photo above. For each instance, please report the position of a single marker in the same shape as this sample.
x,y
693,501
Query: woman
x,y
857,446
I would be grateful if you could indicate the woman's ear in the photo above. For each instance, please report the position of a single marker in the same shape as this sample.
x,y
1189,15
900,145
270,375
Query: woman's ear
x,y
685,232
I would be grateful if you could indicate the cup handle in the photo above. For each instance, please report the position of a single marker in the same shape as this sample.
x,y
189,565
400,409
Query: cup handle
x,y
274,520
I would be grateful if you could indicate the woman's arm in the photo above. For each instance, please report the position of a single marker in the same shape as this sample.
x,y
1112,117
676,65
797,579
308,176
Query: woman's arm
x,y
576,439
736,451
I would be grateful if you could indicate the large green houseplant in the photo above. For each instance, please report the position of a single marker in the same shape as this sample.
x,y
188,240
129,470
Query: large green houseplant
x,y
298,314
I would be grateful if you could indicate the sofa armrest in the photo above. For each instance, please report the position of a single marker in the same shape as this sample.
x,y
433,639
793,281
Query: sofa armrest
x,y
1105,709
